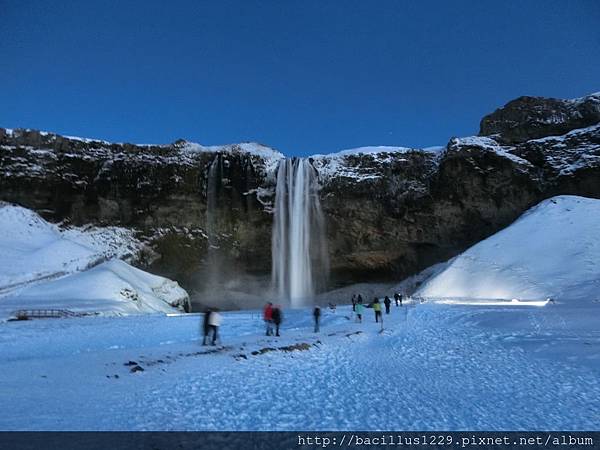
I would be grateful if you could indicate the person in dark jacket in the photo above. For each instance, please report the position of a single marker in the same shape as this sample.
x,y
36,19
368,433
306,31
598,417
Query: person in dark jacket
x,y
387,302
353,302
400,298
317,316
396,298
277,317
206,325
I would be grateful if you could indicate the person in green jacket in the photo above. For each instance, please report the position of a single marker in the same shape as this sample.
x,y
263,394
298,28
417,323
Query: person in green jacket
x,y
359,309
377,309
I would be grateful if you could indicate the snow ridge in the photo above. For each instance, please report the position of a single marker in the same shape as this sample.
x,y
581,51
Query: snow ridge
x,y
527,260
78,268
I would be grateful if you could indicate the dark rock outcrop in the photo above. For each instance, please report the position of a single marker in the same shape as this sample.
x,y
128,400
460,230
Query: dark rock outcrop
x,y
160,191
389,212
534,117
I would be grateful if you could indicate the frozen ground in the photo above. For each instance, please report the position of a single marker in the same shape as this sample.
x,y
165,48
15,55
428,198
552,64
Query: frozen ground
x,y
434,366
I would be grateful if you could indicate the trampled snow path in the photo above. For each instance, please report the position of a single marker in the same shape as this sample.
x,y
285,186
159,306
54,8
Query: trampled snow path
x,y
434,367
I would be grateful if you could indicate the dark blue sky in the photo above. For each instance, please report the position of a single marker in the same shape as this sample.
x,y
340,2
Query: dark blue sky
x,y
305,77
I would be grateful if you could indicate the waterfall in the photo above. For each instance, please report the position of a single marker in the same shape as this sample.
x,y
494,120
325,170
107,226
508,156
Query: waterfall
x,y
299,249
213,183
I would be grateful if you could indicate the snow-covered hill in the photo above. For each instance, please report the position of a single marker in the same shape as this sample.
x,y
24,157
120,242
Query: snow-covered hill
x,y
45,267
32,249
550,251
111,288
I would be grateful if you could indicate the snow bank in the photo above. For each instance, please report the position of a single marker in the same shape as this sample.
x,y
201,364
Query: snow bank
x,y
110,288
551,251
33,249
78,268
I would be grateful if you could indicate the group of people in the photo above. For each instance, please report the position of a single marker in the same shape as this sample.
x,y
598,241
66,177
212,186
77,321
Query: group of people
x,y
358,307
273,316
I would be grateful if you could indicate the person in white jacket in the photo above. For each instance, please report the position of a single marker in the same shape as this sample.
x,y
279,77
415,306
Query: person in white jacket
x,y
214,321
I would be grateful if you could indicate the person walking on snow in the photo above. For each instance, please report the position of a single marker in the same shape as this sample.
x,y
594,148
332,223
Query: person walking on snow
x,y
387,302
268,318
277,317
400,298
359,309
396,298
317,316
214,321
377,309
206,325
353,302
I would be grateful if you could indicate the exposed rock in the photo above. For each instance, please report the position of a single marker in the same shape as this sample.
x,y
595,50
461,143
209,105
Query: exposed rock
x,y
390,212
160,191
534,117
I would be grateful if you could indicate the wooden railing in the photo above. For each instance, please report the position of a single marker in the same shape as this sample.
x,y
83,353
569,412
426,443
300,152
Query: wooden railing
x,y
26,314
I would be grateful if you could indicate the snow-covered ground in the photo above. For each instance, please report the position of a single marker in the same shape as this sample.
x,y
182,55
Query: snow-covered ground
x,y
551,251
434,366
78,269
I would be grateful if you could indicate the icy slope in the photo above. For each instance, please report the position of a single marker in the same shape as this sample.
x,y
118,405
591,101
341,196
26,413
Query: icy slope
x,y
79,269
550,251
32,249
111,288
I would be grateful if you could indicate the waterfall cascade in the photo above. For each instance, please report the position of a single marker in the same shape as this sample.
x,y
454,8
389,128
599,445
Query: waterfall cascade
x,y
215,173
299,246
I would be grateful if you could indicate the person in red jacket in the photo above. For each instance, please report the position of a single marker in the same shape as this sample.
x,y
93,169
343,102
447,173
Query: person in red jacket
x,y
268,318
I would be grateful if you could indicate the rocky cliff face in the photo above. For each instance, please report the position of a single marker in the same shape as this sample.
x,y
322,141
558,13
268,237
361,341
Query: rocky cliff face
x,y
159,191
529,118
390,211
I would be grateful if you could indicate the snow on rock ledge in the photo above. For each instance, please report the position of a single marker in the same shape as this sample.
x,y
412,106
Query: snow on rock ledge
x,y
550,251
367,163
527,118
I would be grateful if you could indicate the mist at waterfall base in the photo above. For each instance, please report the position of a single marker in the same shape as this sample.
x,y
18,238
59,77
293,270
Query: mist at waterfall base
x,y
300,261
219,283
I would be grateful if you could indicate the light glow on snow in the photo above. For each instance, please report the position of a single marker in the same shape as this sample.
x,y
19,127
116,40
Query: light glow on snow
x,y
491,302
551,251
